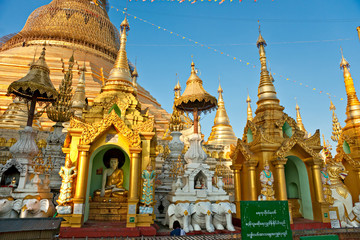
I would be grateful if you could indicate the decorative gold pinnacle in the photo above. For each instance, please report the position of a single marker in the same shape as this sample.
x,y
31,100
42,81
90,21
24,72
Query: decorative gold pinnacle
x,y
266,91
120,74
176,123
353,104
337,129
60,111
299,119
249,110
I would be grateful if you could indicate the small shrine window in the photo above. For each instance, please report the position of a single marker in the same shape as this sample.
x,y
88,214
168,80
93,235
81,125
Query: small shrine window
x,y
346,148
287,130
249,136
200,181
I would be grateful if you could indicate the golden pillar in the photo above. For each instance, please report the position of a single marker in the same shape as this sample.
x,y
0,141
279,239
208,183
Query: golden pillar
x,y
251,166
315,168
81,186
146,148
134,174
83,167
133,187
280,178
237,183
357,174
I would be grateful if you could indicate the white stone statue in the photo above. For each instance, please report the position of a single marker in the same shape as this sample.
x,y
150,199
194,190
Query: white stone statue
x,y
179,212
10,208
223,215
201,216
198,184
340,193
35,207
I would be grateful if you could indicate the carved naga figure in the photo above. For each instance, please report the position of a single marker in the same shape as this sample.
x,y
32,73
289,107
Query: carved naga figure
x,y
340,193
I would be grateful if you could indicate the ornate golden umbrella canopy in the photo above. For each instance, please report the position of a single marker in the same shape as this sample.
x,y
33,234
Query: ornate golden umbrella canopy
x,y
195,96
36,82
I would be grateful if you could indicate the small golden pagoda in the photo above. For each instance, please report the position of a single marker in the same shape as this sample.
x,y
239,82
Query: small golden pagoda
x,y
274,139
110,147
348,147
222,132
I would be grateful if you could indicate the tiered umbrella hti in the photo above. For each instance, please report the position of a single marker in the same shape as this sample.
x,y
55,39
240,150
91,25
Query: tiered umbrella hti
x,y
36,86
195,99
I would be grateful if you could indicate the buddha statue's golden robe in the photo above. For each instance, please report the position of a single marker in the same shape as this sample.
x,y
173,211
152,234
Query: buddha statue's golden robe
x,y
114,185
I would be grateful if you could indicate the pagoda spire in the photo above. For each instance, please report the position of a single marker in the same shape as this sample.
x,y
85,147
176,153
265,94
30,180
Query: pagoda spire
x,y
249,110
79,102
337,129
120,75
221,132
176,123
353,104
266,90
299,119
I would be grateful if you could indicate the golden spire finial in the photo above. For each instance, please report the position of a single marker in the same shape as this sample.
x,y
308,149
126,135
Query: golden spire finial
x,y
337,129
121,70
249,110
260,40
220,91
177,88
343,62
299,122
266,90
353,104
221,132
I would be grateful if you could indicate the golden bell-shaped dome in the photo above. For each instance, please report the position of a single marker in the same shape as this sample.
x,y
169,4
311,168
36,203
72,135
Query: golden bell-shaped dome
x,y
194,95
79,22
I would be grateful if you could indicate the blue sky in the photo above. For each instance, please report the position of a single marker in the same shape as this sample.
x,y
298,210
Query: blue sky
x,y
304,40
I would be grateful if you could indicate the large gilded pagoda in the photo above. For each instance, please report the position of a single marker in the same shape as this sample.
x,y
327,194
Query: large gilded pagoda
x,y
67,26
272,138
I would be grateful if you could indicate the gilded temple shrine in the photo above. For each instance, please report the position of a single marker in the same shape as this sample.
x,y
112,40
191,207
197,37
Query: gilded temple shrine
x,y
273,145
113,150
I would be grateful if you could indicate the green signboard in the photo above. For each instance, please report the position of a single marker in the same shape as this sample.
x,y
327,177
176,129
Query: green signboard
x,y
265,220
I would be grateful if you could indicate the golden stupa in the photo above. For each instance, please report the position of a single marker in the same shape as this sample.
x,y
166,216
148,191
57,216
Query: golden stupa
x,y
67,26
348,147
272,138
222,132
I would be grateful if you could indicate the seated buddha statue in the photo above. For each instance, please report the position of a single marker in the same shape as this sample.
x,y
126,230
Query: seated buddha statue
x,y
112,181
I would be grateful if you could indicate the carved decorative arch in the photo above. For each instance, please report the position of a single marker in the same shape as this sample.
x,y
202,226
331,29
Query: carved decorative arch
x,y
92,131
314,140
289,120
288,144
250,125
9,164
240,148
